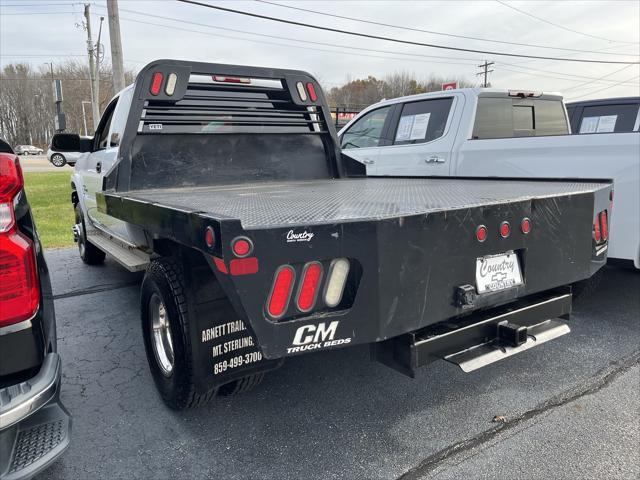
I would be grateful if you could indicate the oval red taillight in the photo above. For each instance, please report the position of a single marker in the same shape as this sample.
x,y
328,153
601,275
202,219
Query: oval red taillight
x,y
525,225
505,229
312,92
281,291
156,83
209,237
481,233
309,284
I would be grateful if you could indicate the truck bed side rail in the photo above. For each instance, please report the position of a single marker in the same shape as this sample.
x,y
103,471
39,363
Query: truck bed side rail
x,y
196,124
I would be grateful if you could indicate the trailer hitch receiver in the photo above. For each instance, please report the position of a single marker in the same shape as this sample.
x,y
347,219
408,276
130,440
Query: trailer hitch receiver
x,y
511,334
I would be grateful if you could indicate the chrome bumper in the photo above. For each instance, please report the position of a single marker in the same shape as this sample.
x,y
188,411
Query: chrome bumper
x,y
17,402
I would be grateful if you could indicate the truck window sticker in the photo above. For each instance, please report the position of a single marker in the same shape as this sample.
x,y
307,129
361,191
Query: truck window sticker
x,y
405,126
420,125
601,124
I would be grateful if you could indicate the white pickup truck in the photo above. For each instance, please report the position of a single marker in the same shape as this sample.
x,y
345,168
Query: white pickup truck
x,y
499,133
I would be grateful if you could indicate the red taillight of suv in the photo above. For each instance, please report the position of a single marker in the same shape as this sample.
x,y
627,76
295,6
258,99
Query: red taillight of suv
x,y
19,287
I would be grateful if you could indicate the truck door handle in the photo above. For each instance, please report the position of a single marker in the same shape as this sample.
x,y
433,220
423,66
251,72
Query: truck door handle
x,y
434,159
98,167
368,162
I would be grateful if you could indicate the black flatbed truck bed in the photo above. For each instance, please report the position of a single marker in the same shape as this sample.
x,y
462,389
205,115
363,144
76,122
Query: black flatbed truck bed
x,y
316,202
214,165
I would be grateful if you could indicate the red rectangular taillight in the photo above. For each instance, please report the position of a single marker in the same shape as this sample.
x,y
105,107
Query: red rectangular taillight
x,y
19,288
604,225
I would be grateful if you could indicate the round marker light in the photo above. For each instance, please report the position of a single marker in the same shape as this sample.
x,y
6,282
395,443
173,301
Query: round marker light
x,y
525,225
505,229
241,247
481,233
209,237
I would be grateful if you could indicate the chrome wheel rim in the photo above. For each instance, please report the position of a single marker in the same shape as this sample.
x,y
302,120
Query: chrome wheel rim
x,y
81,246
57,160
161,335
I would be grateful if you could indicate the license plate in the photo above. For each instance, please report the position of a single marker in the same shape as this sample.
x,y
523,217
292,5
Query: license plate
x,y
497,272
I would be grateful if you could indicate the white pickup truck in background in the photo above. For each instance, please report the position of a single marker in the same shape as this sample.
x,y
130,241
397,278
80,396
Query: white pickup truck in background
x,y
498,133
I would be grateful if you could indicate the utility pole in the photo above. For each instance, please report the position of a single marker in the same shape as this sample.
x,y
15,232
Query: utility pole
x,y
98,72
53,83
116,45
485,72
95,109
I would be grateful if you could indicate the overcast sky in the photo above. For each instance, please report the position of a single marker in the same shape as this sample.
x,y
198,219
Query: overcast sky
x,y
39,31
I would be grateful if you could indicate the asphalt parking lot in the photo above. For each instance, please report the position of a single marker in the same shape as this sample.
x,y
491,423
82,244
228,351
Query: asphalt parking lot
x,y
571,406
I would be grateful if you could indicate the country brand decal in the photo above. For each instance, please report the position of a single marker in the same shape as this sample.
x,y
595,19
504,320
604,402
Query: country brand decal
x,y
313,337
293,236
498,271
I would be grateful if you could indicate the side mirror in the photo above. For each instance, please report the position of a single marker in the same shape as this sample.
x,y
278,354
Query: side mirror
x,y
70,142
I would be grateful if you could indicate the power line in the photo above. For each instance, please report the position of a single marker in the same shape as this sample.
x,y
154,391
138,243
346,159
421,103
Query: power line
x,y
396,40
411,29
37,13
602,89
286,45
173,19
561,26
606,82
593,81
472,61
548,71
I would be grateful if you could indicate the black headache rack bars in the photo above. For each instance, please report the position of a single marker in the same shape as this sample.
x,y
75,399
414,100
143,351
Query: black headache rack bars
x,y
174,97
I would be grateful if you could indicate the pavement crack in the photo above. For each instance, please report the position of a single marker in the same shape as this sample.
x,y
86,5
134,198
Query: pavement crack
x,y
600,380
96,289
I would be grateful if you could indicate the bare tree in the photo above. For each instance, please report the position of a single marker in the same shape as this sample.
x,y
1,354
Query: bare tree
x,y
26,100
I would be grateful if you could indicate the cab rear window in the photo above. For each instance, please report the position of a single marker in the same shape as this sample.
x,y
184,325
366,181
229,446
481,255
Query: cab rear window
x,y
515,117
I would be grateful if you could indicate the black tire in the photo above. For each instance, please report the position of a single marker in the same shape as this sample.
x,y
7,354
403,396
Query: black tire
x,y
164,279
58,160
585,288
241,385
89,253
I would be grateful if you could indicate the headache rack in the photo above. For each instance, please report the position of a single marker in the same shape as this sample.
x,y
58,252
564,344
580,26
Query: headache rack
x,y
223,104
228,108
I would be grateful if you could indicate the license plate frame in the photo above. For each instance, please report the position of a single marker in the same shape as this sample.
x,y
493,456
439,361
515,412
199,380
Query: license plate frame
x,y
498,272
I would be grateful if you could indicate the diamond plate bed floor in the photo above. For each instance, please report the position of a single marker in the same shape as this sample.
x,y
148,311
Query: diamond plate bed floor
x,y
281,204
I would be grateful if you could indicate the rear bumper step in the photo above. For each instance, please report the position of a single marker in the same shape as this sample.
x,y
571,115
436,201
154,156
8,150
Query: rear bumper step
x,y
482,338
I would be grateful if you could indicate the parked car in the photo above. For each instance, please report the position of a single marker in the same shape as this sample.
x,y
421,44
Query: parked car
x,y
35,427
499,133
261,241
60,159
605,115
28,150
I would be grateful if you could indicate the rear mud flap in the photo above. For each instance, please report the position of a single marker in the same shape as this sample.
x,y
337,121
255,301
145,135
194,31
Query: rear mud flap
x,y
225,347
481,338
